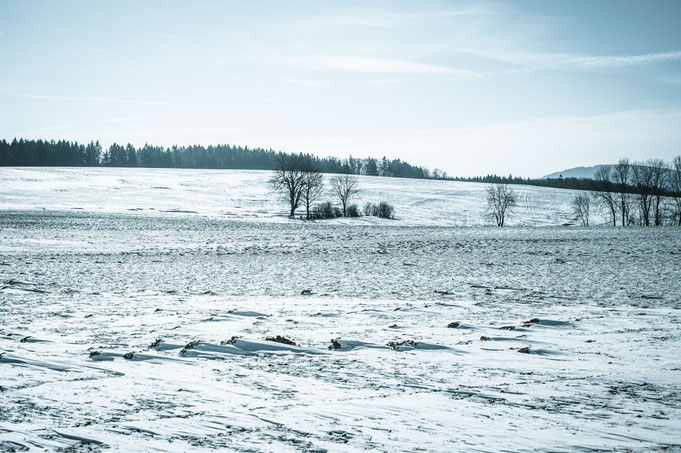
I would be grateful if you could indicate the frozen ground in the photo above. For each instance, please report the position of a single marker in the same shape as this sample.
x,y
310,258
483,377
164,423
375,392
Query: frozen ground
x,y
146,330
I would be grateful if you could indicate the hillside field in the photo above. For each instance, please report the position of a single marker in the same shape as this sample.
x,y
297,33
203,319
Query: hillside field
x,y
136,307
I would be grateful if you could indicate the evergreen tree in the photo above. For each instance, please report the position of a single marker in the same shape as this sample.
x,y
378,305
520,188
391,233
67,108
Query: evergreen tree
x,y
130,156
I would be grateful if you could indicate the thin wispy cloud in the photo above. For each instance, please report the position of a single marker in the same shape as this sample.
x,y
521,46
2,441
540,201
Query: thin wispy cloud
x,y
673,81
362,21
515,57
270,100
610,61
42,130
108,100
376,65
93,99
462,12
123,119
529,61
308,83
385,81
382,18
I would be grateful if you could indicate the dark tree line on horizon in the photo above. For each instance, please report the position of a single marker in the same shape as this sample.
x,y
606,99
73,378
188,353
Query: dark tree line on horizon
x,y
596,184
21,152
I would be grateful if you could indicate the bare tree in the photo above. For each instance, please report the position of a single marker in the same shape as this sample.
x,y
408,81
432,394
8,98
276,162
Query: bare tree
x,y
581,207
675,186
644,178
603,194
289,180
500,199
660,172
620,174
344,188
313,187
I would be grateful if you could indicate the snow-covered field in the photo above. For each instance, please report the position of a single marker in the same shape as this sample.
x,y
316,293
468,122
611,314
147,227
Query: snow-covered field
x,y
135,307
244,195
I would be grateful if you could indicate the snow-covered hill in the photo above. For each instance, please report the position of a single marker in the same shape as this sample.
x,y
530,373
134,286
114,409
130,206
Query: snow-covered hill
x,y
243,194
577,172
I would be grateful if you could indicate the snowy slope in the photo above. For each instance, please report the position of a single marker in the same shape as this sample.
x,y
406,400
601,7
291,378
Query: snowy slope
x,y
242,194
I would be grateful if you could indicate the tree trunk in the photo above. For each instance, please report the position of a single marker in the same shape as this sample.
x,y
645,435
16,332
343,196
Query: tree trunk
x,y
658,211
624,214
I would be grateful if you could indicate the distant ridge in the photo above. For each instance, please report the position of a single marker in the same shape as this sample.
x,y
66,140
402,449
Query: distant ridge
x,y
577,172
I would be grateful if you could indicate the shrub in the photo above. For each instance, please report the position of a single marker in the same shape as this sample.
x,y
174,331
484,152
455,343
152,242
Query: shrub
x,y
385,210
327,210
323,211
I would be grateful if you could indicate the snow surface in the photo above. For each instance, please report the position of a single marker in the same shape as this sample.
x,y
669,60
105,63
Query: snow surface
x,y
239,194
146,330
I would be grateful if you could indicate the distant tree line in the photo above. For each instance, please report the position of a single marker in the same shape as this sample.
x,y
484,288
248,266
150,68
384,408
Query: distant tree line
x,y
630,193
556,183
606,179
24,152
639,193
643,193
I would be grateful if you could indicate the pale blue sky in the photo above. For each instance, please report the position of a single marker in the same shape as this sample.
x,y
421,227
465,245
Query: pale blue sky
x,y
470,87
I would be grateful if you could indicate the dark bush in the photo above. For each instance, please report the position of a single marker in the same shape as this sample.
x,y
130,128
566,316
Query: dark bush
x,y
382,210
323,211
385,210
353,211
327,210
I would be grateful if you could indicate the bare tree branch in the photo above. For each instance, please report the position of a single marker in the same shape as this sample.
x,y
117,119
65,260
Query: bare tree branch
x,y
621,173
581,207
500,199
344,188
313,186
649,179
602,194
675,186
288,180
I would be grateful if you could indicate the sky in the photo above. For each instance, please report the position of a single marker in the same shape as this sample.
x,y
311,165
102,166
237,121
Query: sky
x,y
472,88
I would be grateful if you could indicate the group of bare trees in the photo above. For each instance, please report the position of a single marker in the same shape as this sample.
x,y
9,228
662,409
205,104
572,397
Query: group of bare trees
x,y
675,184
300,182
640,193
